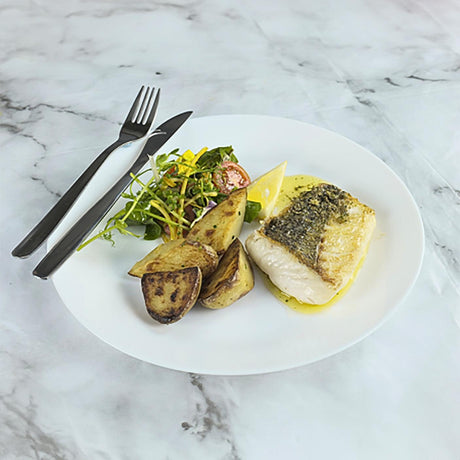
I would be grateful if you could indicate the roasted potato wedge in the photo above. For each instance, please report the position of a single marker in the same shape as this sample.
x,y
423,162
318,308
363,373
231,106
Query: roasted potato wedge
x,y
177,254
232,280
222,224
170,295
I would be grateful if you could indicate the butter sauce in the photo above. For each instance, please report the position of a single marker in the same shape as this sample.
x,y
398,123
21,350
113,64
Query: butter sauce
x,y
291,187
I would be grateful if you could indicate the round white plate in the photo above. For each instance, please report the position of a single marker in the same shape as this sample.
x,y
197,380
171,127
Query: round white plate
x,y
258,333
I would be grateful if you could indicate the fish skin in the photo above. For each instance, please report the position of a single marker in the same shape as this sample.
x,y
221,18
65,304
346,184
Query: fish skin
x,y
311,249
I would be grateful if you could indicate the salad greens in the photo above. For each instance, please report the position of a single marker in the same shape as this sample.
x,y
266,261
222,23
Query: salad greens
x,y
174,193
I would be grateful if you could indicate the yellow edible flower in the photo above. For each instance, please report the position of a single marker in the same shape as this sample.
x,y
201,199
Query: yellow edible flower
x,y
186,159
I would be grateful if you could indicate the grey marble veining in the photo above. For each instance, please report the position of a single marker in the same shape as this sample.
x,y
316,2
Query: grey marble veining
x,y
384,73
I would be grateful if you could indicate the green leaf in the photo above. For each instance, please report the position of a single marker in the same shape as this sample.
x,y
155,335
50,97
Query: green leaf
x,y
152,231
214,157
252,210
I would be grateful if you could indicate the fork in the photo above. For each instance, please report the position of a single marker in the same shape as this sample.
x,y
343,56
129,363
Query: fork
x,y
136,126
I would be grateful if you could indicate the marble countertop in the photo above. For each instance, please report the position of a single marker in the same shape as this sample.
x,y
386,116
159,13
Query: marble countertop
x,y
383,73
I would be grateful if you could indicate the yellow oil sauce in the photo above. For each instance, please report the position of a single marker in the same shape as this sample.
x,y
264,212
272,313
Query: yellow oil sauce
x,y
292,186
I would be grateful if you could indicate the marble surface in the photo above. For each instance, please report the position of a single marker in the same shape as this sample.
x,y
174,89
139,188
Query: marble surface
x,y
383,73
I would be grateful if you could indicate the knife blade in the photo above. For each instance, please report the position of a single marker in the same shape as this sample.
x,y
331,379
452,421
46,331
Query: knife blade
x,y
88,222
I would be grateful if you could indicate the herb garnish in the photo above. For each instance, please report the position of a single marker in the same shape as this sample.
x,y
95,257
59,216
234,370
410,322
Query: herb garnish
x,y
179,190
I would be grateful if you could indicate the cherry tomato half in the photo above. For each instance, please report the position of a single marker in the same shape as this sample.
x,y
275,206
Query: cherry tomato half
x,y
230,176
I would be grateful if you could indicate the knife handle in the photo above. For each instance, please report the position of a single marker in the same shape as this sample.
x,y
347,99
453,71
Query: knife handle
x,y
84,226
42,230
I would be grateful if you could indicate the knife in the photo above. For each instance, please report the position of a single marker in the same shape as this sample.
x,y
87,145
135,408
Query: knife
x,y
88,222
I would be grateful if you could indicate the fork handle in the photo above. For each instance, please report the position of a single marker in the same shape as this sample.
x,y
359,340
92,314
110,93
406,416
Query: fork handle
x,y
42,230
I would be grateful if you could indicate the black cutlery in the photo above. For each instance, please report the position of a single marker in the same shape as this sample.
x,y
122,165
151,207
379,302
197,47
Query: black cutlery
x,y
137,125
72,239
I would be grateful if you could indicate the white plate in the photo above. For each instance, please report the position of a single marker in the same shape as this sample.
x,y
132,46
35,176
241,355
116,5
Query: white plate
x,y
257,334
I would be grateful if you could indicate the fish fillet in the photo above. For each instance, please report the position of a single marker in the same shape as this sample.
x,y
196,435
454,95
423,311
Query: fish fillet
x,y
311,248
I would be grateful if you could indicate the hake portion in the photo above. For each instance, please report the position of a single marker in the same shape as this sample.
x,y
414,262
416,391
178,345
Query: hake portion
x,y
312,248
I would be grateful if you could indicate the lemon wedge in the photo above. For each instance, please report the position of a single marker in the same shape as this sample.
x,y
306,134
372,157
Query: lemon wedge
x,y
266,188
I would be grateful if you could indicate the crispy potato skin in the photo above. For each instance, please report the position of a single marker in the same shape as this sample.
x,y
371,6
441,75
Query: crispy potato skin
x,y
221,225
170,295
177,254
232,280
